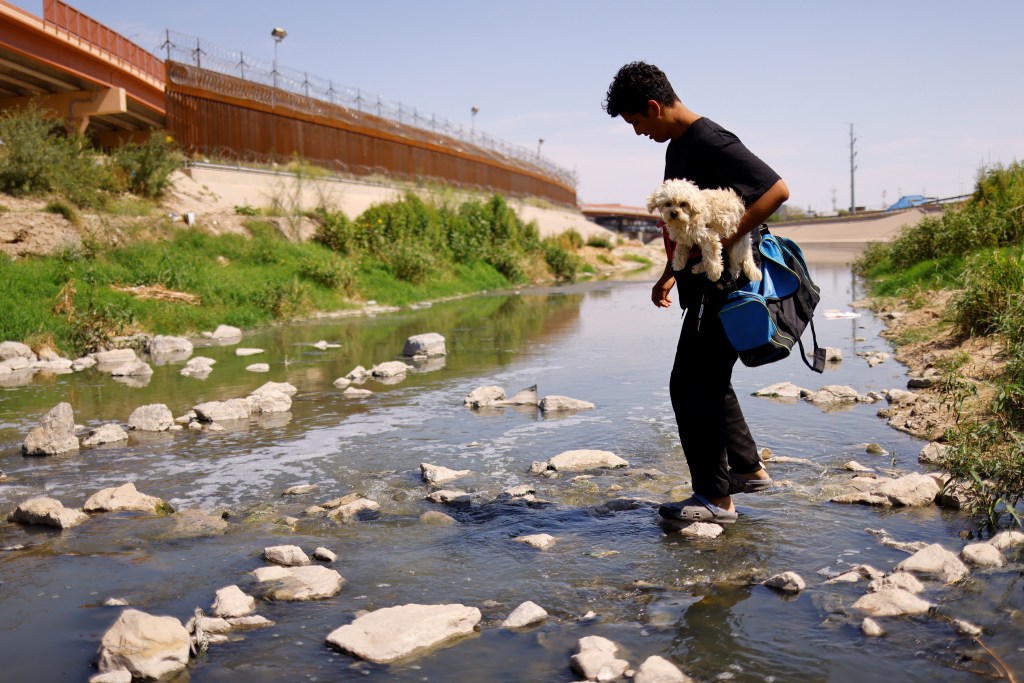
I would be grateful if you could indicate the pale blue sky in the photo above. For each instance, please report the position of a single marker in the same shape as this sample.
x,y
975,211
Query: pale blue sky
x,y
935,89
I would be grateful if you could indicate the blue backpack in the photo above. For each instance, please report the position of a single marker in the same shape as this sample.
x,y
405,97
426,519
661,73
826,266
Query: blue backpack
x,y
764,320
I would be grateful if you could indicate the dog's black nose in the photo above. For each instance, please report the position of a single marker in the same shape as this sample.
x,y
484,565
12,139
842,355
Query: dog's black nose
x,y
673,213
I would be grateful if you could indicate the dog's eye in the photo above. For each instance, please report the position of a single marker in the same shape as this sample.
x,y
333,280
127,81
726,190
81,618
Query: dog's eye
x,y
684,204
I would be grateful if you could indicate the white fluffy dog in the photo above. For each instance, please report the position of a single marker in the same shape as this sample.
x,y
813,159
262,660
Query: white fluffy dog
x,y
703,218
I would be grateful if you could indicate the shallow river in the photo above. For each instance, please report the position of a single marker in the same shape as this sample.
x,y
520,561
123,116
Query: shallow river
x,y
653,592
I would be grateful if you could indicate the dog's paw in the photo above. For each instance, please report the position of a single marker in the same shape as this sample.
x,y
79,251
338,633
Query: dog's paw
x,y
714,271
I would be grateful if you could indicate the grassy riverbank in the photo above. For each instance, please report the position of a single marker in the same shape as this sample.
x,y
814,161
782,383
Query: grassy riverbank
x,y
122,266
972,260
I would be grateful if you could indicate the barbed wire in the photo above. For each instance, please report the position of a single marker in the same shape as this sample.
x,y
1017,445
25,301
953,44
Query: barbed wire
x,y
315,92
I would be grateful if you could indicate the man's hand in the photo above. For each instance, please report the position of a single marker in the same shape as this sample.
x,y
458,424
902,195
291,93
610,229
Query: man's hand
x,y
659,294
661,289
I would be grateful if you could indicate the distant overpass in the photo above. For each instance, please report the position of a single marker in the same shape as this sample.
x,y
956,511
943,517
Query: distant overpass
x,y
631,220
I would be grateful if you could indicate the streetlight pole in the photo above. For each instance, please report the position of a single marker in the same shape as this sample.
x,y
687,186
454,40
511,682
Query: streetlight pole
x,y
539,143
472,120
278,34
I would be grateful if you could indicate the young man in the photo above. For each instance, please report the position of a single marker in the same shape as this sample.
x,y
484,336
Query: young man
x,y
716,441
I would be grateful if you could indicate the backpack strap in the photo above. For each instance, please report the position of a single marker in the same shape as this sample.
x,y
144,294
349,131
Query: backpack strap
x,y
819,353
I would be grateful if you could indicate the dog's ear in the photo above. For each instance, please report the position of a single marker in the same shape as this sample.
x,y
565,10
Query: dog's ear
x,y
652,200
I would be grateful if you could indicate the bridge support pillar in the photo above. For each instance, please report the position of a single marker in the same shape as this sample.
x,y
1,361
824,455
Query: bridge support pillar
x,y
77,107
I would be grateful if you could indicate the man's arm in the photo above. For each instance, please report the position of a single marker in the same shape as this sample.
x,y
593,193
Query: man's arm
x,y
661,289
758,212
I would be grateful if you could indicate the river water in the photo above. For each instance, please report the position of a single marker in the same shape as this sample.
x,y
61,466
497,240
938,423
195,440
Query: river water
x,y
650,590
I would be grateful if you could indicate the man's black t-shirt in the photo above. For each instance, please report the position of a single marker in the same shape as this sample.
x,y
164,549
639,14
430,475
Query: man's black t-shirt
x,y
711,157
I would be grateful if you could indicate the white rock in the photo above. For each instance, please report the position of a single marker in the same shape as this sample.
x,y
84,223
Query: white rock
x,y
657,669
200,366
55,433
352,392
429,345
358,373
223,332
351,507
283,387
538,541
312,582
287,555
392,633
162,345
832,394
124,497
936,561
524,615
554,404
983,555
483,397
435,474
242,351
220,411
108,433
258,367
342,382
270,401
780,390
135,368
115,357
391,368
249,622
231,602
702,530
83,363
595,659
872,628
44,511
148,646
580,460
523,397
301,489
56,366
155,417
13,349
932,453
449,497
854,466
893,602
325,555
116,676
1007,539
787,582
903,580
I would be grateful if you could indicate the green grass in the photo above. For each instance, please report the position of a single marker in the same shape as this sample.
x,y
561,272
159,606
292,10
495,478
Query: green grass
x,y
266,280
977,250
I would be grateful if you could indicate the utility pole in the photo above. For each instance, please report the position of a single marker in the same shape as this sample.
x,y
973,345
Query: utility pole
x,y
853,167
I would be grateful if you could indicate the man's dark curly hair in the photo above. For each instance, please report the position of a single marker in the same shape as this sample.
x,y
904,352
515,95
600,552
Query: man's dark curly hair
x,y
634,86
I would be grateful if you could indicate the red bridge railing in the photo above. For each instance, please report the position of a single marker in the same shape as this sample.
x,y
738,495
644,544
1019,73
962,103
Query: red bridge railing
x,y
65,18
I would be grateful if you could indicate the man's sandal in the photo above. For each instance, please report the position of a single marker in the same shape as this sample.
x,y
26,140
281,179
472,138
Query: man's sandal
x,y
697,508
738,484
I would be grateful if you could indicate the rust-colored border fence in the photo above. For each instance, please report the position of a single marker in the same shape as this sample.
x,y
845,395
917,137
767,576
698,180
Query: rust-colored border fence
x,y
223,117
67,19
259,81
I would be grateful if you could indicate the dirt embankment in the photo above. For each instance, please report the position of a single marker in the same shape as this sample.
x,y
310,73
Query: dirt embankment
x,y
928,345
209,199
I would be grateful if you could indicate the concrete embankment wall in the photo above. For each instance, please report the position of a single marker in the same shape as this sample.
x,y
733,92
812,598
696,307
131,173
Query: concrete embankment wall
x,y
218,190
